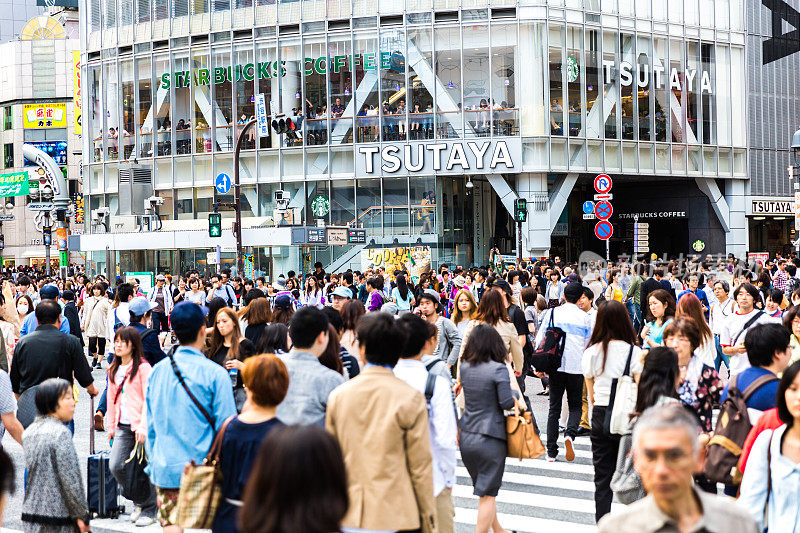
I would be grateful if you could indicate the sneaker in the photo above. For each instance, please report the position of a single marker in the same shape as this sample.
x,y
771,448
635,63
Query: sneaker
x,y
145,521
551,459
570,453
98,422
583,432
137,512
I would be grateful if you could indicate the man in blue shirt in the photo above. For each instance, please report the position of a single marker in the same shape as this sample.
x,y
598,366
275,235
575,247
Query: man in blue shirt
x,y
768,351
178,429
692,282
48,292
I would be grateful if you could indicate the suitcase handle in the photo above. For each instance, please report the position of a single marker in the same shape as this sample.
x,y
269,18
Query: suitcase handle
x,y
91,425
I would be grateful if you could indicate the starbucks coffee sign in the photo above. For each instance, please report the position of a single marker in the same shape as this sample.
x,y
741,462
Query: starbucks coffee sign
x,y
443,157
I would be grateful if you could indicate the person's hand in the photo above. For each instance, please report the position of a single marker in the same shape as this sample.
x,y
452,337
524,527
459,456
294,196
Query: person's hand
x,y
518,373
140,436
538,374
233,363
92,390
84,527
740,349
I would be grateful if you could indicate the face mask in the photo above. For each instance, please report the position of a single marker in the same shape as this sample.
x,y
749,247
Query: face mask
x,y
22,309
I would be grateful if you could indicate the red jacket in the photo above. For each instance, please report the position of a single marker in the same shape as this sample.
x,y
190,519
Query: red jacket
x,y
768,420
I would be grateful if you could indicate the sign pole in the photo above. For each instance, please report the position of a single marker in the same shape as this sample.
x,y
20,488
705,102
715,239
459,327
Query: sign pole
x,y
608,252
45,231
237,229
519,242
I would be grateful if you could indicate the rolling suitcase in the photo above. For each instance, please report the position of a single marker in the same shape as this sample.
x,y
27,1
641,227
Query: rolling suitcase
x,y
101,487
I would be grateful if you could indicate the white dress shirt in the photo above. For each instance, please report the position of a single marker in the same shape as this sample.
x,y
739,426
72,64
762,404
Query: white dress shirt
x,y
441,419
578,327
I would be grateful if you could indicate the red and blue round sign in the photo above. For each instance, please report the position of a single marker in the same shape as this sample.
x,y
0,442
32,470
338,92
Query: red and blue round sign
x,y
602,183
603,230
603,210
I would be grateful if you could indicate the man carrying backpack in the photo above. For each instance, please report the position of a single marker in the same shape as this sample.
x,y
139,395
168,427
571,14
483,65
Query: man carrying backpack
x,y
745,398
222,290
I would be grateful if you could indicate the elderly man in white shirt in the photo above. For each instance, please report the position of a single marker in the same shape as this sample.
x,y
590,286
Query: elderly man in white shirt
x,y
421,339
578,327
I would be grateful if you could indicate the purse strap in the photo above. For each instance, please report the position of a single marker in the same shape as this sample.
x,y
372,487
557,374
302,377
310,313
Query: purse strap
x,y
186,388
627,371
216,446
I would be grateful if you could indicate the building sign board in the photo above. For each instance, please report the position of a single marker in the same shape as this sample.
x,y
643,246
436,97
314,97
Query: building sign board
x,y
443,157
45,115
771,207
654,214
76,91
14,184
337,236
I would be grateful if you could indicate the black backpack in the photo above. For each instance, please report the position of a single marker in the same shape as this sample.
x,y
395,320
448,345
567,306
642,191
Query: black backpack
x,y
547,356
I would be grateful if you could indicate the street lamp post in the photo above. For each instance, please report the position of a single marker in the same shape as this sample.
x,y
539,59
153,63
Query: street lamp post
x,y
795,175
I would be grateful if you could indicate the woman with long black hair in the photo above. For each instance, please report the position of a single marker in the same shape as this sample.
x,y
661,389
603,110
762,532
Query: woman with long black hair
x,y
612,350
402,295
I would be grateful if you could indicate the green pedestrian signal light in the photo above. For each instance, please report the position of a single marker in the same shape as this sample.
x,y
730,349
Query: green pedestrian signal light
x,y
214,225
520,210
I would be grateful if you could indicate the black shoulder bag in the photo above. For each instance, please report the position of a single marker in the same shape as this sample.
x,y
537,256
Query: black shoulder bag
x,y
547,356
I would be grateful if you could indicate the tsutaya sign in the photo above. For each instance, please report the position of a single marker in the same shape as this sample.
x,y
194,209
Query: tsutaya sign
x,y
444,157
641,74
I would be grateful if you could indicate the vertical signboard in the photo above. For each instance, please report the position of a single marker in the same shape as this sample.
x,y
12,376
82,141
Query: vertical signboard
x,y
76,90
261,116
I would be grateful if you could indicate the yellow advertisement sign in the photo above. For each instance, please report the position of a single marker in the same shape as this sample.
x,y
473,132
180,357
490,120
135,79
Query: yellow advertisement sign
x,y
44,116
412,259
76,89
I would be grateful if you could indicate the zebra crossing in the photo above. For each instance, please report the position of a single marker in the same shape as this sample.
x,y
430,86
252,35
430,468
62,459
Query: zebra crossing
x,y
537,496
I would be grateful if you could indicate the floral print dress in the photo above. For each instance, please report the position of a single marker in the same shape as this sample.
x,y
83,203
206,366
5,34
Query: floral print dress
x,y
699,394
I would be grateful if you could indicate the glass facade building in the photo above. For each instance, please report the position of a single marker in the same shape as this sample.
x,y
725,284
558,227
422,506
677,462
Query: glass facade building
x,y
401,104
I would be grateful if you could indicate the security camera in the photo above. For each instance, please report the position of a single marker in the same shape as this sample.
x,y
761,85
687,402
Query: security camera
x,y
153,201
282,199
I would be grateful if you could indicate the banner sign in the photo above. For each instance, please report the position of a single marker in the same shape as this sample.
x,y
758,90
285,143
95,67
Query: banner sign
x,y
76,90
414,259
51,115
14,184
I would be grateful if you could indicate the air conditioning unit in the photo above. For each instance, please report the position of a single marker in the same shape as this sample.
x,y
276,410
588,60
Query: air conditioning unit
x,y
135,186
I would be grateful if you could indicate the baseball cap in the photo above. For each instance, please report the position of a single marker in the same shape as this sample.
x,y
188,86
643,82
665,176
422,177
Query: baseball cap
x,y
160,277
283,301
342,292
186,319
502,285
431,294
459,281
49,292
140,305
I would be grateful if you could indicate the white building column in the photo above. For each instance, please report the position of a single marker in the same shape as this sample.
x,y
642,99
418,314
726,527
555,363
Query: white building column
x,y
737,240
537,229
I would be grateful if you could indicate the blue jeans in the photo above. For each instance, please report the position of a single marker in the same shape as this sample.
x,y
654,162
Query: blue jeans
x,y
102,406
721,357
635,313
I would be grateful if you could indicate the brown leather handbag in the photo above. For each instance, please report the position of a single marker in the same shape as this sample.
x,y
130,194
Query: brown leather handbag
x,y
523,440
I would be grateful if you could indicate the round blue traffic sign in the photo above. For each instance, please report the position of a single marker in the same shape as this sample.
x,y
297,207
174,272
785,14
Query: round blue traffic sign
x,y
603,230
588,207
603,210
222,183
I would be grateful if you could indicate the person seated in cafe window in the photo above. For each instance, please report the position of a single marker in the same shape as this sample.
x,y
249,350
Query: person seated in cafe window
x,y
338,108
556,106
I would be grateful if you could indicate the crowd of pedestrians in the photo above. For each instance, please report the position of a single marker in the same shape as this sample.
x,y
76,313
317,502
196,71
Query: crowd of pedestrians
x,y
356,392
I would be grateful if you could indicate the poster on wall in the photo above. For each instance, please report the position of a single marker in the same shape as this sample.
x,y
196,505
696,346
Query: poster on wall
x,y
413,259
14,184
757,257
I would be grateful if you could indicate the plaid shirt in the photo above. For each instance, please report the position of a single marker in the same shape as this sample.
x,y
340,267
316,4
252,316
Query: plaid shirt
x,y
780,280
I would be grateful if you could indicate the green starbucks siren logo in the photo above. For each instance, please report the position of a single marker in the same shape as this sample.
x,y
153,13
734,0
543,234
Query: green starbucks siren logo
x,y
573,70
320,206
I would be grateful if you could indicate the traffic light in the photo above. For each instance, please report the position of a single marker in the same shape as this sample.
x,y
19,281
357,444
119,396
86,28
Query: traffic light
x,y
2,242
214,225
282,124
520,210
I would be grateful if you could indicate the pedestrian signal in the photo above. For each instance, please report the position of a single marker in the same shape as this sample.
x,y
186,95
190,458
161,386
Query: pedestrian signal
x,y
214,225
520,210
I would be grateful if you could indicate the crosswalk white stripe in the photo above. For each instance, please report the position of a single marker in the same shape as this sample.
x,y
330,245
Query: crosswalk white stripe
x,y
526,524
541,463
541,481
545,501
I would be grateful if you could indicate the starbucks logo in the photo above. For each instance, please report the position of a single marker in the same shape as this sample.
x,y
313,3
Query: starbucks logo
x,y
573,70
320,206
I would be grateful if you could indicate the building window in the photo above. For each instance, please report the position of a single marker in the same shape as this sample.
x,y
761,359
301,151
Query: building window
x,y
8,155
8,118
